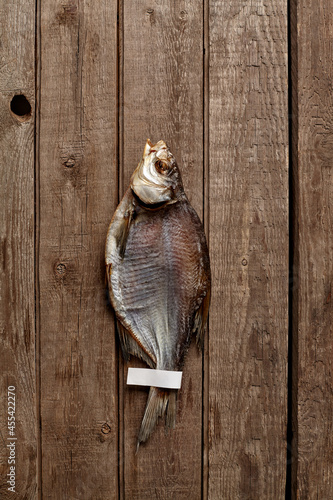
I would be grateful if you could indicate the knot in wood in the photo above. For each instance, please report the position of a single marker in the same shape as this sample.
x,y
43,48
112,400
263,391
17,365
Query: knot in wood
x,y
61,268
106,429
70,163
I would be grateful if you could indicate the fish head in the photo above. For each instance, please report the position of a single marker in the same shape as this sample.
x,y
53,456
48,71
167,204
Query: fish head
x,y
157,178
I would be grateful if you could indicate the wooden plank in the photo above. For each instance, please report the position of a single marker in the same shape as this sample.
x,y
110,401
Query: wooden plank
x,y
163,96
17,306
248,189
313,318
78,195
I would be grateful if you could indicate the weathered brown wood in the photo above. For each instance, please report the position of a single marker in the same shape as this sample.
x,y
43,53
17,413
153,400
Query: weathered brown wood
x,y
17,325
163,94
248,189
78,194
161,86
313,312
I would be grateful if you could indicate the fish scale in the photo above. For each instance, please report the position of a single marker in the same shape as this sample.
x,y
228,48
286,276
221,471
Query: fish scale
x,y
158,274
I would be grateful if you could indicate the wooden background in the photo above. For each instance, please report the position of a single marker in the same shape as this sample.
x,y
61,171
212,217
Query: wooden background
x,y
241,90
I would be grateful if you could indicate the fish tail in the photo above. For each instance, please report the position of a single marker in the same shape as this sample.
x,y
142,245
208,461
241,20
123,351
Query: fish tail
x,y
160,402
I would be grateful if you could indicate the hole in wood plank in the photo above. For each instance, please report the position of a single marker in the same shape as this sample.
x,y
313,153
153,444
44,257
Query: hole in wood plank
x,y
20,108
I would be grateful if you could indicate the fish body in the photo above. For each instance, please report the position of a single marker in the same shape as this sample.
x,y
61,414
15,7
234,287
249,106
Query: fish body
x,y
158,274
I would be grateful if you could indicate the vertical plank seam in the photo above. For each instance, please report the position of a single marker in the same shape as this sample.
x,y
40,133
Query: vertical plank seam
x,y
294,246
290,271
205,372
120,186
37,242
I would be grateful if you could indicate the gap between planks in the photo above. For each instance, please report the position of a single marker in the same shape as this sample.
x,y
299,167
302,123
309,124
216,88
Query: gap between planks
x,y
205,367
120,178
37,242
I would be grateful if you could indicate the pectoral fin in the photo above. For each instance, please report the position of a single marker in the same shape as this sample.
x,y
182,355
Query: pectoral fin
x,y
124,232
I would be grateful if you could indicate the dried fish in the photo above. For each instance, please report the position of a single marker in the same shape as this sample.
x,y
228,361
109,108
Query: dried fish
x,y
158,274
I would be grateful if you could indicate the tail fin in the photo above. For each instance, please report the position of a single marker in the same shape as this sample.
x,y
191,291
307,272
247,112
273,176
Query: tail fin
x,y
160,402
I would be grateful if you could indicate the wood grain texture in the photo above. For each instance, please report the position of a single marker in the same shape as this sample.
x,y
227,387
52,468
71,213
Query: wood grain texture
x,y
78,194
17,325
313,321
163,95
235,446
248,190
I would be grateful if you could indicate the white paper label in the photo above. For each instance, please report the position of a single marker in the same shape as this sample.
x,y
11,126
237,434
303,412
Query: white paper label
x,y
155,378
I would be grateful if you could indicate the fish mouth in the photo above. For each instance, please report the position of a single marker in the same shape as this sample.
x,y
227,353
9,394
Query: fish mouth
x,y
151,181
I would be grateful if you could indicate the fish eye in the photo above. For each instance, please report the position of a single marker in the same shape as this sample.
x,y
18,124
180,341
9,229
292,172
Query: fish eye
x,y
161,166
